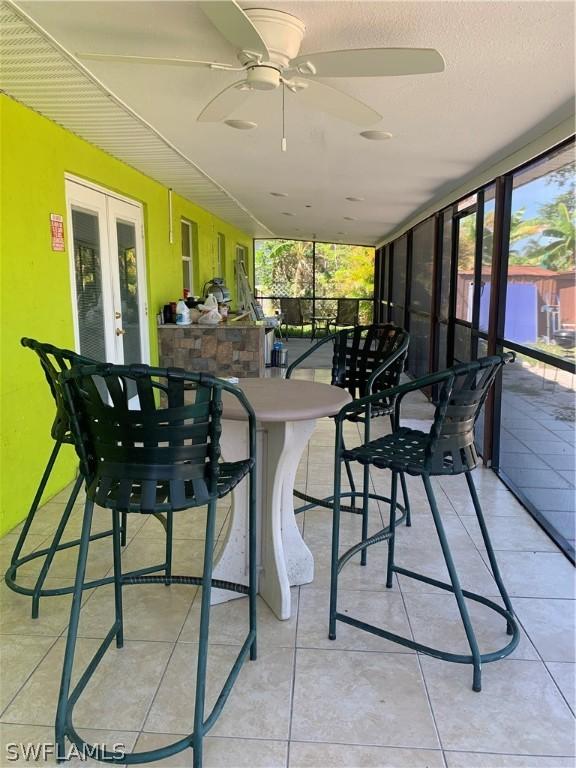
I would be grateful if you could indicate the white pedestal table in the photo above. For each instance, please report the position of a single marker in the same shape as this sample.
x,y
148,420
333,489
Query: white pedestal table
x,y
286,410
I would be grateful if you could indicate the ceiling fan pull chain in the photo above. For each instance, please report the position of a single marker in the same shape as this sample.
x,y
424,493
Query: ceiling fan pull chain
x,y
283,117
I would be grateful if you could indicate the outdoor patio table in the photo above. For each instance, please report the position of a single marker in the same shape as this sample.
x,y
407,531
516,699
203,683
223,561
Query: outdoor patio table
x,y
287,411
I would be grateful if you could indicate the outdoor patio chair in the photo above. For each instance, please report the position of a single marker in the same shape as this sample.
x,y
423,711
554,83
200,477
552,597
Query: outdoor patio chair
x,y
292,311
162,457
54,361
366,359
447,449
347,312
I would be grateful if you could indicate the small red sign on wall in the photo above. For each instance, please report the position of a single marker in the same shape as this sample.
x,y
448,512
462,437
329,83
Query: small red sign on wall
x,y
57,231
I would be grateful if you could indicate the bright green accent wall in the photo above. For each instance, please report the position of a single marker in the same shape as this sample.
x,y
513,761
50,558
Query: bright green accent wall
x,y
35,154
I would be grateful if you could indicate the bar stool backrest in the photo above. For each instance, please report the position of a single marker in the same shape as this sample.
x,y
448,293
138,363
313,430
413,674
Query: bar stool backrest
x,y
161,455
347,311
451,448
53,361
292,311
360,351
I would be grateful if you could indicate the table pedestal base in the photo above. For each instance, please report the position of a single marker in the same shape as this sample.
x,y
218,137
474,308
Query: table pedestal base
x,y
284,560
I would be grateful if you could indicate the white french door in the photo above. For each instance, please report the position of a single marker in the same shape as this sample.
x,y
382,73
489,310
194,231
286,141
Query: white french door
x,y
108,275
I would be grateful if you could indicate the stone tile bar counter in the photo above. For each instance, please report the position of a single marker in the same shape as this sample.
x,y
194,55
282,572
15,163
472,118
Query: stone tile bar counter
x,y
229,349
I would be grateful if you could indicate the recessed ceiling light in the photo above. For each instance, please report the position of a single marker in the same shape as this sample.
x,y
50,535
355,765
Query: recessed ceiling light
x,y
350,218
307,205
287,213
340,233
355,199
375,135
279,194
242,125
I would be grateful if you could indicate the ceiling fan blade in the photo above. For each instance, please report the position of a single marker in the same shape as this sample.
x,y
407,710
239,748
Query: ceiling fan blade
x,y
337,103
369,62
223,103
232,22
155,60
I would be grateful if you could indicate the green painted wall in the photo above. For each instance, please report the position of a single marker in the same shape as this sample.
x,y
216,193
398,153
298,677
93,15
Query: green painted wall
x,y
35,153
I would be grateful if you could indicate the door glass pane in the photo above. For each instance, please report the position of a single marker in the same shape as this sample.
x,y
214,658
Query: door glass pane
x,y
445,265
128,272
466,252
399,279
422,265
88,275
487,248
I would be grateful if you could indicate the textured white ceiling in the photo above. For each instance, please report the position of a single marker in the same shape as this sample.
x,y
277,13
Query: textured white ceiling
x,y
509,75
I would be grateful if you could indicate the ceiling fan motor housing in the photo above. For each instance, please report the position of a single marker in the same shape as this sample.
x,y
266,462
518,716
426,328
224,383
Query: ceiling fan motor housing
x,y
262,77
281,32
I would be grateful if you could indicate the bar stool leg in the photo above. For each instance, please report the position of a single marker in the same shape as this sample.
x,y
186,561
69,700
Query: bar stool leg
x,y
203,638
35,503
62,710
252,561
393,426
169,539
489,549
335,542
351,481
124,529
54,547
476,680
365,502
117,551
393,498
406,499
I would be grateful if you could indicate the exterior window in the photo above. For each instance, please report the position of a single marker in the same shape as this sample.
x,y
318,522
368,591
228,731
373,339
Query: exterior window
x,y
187,251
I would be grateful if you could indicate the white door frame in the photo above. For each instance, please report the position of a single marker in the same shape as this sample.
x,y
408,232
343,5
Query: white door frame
x,y
110,207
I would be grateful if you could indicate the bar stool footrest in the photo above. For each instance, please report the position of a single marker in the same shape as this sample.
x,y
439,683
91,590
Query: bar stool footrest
x,y
426,649
12,570
130,758
328,503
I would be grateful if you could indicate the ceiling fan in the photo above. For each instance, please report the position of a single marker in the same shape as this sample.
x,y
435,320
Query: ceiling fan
x,y
267,43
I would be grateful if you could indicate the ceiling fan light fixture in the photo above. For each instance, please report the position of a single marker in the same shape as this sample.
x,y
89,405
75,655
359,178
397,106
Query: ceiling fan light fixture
x,y
376,135
241,125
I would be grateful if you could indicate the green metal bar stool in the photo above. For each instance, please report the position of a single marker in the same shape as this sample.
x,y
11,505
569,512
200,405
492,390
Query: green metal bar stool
x,y
162,457
366,359
448,449
54,361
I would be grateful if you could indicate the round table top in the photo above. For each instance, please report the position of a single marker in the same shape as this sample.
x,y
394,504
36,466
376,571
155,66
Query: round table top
x,y
275,399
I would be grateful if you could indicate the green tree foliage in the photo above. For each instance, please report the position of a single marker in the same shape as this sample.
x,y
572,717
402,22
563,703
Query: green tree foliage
x,y
285,268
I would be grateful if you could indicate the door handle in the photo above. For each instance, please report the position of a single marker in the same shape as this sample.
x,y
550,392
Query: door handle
x,y
117,315
120,332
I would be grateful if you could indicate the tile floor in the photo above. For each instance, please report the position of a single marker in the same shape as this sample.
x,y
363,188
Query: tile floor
x,y
308,702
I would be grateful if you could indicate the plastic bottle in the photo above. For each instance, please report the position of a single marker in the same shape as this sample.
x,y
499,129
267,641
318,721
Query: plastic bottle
x,y
182,313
